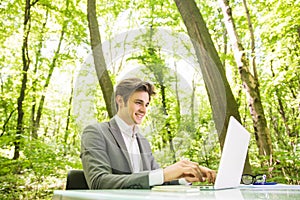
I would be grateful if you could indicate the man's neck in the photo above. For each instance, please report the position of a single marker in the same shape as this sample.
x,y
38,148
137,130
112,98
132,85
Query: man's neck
x,y
123,125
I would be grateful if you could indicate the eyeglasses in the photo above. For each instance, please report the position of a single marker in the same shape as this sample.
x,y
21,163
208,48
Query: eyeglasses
x,y
259,179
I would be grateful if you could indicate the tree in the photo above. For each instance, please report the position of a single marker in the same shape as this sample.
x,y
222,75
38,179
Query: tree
x,y
250,83
36,119
99,61
220,95
26,64
268,31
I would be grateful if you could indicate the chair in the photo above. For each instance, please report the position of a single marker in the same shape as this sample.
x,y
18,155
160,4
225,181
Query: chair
x,y
76,180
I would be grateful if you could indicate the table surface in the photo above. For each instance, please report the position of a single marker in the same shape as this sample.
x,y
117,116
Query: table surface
x,y
280,192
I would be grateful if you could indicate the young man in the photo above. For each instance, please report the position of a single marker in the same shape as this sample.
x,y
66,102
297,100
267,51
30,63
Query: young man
x,y
116,156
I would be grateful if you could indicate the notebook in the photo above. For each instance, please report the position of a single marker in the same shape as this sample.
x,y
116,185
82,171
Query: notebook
x,y
233,156
232,160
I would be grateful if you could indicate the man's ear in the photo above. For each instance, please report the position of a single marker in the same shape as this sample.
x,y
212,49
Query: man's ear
x,y
119,100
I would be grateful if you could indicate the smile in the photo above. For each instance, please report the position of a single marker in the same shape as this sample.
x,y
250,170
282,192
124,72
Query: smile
x,y
140,116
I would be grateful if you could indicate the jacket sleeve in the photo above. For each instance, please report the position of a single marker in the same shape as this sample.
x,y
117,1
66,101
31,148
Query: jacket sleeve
x,y
103,163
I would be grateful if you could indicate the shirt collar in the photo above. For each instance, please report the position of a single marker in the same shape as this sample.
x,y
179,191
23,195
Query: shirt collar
x,y
129,131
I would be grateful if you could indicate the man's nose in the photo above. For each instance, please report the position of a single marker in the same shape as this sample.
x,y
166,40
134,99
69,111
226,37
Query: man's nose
x,y
143,108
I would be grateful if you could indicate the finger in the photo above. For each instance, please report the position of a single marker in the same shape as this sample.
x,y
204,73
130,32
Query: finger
x,y
193,171
198,171
212,176
191,178
209,177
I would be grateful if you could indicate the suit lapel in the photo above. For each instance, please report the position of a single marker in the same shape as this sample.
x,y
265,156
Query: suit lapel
x,y
115,131
142,151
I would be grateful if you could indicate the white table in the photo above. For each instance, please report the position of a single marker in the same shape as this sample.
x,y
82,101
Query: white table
x,y
280,192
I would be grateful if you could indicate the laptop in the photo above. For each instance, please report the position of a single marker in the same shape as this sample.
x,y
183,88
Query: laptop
x,y
232,159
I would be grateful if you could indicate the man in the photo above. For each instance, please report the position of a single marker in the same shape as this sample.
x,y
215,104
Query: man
x,y
115,155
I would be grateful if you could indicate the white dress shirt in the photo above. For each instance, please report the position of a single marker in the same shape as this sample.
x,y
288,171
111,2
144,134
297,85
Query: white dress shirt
x,y
156,177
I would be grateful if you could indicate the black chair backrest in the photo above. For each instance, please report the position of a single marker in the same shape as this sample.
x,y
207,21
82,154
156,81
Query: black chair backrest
x,y
76,180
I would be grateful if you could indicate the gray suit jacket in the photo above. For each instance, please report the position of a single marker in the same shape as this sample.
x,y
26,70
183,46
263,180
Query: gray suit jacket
x,y
106,162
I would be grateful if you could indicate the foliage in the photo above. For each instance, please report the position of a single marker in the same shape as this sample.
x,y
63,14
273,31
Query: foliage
x,y
284,169
44,161
41,169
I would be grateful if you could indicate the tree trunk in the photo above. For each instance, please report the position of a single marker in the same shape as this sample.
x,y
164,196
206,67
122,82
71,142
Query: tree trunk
x,y
155,64
250,27
51,69
281,108
219,92
250,83
178,111
99,61
6,122
156,69
67,131
26,64
36,81
193,101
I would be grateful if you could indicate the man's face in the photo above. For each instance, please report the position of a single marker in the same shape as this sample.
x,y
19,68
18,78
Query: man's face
x,y
135,109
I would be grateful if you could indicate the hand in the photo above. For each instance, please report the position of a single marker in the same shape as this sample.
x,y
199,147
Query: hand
x,y
208,174
191,171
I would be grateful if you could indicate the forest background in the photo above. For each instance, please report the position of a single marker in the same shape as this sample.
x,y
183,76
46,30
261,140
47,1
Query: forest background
x,y
209,60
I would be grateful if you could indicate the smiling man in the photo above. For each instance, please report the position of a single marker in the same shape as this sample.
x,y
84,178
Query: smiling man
x,y
115,155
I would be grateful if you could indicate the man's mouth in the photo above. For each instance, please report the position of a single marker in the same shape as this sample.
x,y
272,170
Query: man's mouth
x,y
139,115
